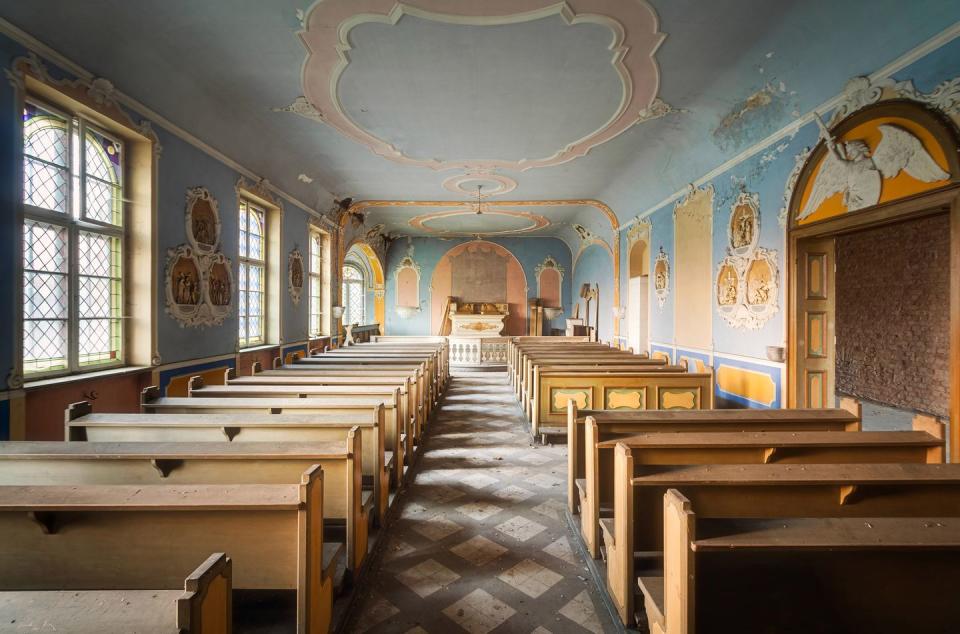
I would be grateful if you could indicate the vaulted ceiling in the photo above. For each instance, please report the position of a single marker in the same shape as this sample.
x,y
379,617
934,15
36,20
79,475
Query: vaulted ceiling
x,y
621,101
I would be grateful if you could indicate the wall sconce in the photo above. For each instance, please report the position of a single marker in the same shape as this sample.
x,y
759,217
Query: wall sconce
x,y
336,311
552,313
619,312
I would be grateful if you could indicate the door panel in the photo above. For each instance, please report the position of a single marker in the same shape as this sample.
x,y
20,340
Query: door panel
x,y
816,323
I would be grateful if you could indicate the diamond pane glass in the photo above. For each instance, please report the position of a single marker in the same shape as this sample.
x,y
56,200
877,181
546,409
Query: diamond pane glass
x,y
316,253
44,247
44,345
99,341
46,159
353,300
103,160
99,255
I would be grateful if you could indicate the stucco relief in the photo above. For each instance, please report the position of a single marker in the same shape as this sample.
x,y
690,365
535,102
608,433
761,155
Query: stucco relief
x,y
634,26
747,282
661,277
198,279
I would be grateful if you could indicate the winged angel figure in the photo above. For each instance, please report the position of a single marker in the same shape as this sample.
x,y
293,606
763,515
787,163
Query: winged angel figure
x,y
852,169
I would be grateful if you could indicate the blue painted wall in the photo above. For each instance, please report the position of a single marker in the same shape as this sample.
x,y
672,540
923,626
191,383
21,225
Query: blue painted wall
x,y
765,173
595,267
428,251
181,166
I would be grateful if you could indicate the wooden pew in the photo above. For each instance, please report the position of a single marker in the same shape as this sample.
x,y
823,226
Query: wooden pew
x,y
514,344
349,375
595,491
197,420
180,463
656,390
631,422
144,536
633,537
409,411
801,575
440,348
523,352
202,607
396,428
531,386
429,364
427,386
529,363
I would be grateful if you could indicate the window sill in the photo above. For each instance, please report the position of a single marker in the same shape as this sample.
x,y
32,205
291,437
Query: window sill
x,y
84,376
266,346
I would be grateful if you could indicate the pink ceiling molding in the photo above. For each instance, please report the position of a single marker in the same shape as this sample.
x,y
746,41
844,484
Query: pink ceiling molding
x,y
422,221
634,24
461,183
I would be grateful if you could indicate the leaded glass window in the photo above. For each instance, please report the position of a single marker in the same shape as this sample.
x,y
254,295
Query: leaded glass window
x,y
72,243
316,283
252,273
353,300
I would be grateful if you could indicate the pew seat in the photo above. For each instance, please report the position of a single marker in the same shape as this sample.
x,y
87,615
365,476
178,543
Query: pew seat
x,y
347,508
142,537
801,575
203,606
671,448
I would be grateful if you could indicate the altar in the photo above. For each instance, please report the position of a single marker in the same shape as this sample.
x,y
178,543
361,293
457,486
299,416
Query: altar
x,y
475,338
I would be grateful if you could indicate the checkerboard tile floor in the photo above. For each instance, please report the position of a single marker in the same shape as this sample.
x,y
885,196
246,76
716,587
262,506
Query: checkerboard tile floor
x,y
481,544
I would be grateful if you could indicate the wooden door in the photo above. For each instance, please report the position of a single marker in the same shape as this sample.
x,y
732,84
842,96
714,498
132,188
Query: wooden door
x,y
815,323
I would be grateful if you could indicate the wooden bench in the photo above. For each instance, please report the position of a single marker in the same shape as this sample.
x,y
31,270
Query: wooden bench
x,y
595,491
663,389
523,352
181,422
409,410
202,607
631,422
396,428
143,536
346,507
515,343
440,348
532,387
633,537
426,383
577,359
802,575
351,375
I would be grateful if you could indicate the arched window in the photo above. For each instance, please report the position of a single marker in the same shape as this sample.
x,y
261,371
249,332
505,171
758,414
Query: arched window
x,y
72,239
354,307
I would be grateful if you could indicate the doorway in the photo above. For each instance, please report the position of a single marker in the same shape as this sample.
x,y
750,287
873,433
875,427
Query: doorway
x,y
638,298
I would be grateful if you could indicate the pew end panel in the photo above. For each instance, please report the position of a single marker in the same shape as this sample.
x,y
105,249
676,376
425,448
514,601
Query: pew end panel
x,y
619,544
206,606
314,574
149,395
936,428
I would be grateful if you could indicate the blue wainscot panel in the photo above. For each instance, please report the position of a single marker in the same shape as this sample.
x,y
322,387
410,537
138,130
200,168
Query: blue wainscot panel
x,y
697,361
668,350
742,383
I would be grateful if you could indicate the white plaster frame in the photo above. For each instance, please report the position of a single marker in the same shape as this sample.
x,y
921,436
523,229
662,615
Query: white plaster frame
x,y
194,195
752,202
405,312
662,293
549,263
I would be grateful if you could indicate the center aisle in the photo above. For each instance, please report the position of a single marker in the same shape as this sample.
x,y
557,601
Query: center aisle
x,y
481,544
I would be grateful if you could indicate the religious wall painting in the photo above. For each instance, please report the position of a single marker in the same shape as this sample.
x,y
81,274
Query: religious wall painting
x,y
202,220
661,277
219,284
198,279
295,275
884,152
728,284
743,230
747,282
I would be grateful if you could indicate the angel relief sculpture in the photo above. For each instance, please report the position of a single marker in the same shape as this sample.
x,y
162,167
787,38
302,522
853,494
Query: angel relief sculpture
x,y
852,169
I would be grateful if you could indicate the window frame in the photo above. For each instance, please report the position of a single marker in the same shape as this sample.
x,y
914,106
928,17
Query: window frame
x,y
362,284
318,273
244,259
74,224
